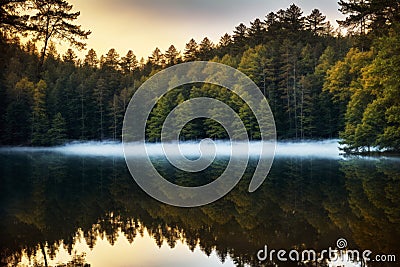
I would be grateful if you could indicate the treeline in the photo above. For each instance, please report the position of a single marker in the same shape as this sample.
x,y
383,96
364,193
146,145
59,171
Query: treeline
x,y
367,79
49,98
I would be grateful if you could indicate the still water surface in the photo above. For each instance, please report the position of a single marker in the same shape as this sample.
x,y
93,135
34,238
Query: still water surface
x,y
79,206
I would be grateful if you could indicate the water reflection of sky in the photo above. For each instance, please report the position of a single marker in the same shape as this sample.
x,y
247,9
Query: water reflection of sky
x,y
143,251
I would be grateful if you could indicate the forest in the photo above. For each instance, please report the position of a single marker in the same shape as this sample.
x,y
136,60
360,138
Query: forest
x,y
320,82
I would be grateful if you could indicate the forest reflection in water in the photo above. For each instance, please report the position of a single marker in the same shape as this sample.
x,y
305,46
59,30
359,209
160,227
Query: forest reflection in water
x,y
52,204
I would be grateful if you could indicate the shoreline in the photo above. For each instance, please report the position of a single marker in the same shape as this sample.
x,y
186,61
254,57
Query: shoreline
x,y
331,148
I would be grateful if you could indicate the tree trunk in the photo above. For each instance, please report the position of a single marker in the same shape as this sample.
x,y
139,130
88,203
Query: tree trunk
x,y
44,254
46,41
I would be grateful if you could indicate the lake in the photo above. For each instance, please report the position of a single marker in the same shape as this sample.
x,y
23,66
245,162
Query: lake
x,y
78,205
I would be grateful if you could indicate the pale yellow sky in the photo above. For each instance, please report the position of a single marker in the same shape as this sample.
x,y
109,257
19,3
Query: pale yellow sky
x,y
142,252
143,25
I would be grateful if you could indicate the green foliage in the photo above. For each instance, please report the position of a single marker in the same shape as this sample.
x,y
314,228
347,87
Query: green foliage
x,y
39,115
18,113
374,16
191,49
315,85
54,19
57,132
368,81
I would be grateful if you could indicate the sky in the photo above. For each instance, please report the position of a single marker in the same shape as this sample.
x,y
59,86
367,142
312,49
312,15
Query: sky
x,y
143,25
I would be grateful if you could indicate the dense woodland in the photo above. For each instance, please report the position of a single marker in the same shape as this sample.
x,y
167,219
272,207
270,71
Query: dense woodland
x,y
320,83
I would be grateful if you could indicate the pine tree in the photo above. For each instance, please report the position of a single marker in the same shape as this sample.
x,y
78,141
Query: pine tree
x,y
70,56
250,122
111,60
191,50
271,22
99,94
19,112
57,133
172,56
54,19
240,33
287,82
225,40
239,38
129,63
358,11
253,63
11,19
158,116
214,129
91,59
293,19
205,49
39,116
315,22
328,116
256,32
115,117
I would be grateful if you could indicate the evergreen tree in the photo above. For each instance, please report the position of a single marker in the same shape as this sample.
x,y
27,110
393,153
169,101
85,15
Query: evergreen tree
x,y
256,32
111,60
225,40
115,117
328,116
54,19
250,122
287,67
293,19
99,94
271,21
252,64
205,49
70,56
287,83
91,59
156,57
190,53
240,33
213,128
224,45
239,38
315,22
11,19
157,117
39,116
172,56
129,63
18,113
57,133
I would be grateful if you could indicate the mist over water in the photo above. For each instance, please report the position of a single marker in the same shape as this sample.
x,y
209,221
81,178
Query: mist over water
x,y
316,149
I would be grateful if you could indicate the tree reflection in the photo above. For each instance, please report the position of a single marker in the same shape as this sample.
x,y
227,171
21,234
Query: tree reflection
x,y
374,202
53,201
